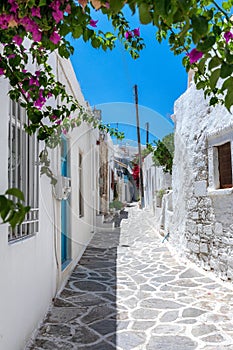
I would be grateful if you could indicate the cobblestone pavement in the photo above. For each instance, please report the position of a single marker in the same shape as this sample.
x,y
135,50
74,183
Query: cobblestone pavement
x,y
128,292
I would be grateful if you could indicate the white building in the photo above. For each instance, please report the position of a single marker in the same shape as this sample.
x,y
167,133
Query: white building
x,y
106,172
157,190
37,258
202,225
155,180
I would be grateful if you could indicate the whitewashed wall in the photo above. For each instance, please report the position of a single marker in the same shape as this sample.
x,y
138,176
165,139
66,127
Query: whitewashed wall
x,y
81,140
111,167
30,270
202,220
154,180
27,267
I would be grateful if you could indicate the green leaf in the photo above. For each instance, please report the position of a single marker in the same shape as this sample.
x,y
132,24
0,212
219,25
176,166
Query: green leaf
x,y
35,116
206,44
229,100
116,5
217,30
156,18
226,70
77,32
214,78
109,35
185,5
229,58
144,14
200,85
95,43
16,219
228,84
202,63
200,25
214,62
5,207
213,101
3,202
16,193
87,34
165,8
227,5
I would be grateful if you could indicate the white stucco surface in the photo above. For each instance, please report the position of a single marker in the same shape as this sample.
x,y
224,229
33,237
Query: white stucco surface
x,y
30,269
199,206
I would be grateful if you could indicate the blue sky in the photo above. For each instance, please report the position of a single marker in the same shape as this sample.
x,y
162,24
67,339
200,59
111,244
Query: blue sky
x,y
107,80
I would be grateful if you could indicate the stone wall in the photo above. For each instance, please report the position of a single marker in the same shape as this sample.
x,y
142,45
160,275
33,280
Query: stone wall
x,y
202,227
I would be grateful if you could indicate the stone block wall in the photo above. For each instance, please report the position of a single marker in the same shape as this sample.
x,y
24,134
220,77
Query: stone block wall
x,y
202,227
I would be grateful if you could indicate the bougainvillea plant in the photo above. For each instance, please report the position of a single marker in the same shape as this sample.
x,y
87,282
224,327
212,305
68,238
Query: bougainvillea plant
x,y
30,30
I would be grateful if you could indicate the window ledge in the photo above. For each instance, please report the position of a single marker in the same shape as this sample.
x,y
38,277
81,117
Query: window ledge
x,y
220,191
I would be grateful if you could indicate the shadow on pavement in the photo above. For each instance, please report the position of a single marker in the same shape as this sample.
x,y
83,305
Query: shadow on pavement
x,y
84,315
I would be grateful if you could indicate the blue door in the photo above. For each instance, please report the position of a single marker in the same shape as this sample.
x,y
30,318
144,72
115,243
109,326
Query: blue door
x,y
65,214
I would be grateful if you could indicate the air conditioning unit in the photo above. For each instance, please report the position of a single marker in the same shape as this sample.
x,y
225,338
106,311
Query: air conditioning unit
x,y
62,189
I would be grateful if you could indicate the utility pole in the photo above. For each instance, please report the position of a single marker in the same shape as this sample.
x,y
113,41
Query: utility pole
x,y
147,135
139,148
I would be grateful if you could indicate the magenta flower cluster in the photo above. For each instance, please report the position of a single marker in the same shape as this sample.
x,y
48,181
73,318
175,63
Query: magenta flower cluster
x,y
194,55
132,33
93,23
29,22
228,36
34,91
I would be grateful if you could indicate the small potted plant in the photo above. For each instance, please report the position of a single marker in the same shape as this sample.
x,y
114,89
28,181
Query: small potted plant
x,y
159,195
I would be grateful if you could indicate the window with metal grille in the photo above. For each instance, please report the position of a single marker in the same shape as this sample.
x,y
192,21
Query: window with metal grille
x,y
225,165
81,199
23,170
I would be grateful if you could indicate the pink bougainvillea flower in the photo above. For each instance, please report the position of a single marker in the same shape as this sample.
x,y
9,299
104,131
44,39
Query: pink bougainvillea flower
x,y
5,20
194,55
32,27
55,5
58,122
93,23
68,9
228,36
17,39
12,55
39,103
107,5
36,35
37,73
2,71
64,131
55,38
57,15
136,31
33,81
14,6
49,94
36,12
53,117
128,34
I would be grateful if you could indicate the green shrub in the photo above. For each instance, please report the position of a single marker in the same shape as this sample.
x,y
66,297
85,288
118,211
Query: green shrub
x,y
116,204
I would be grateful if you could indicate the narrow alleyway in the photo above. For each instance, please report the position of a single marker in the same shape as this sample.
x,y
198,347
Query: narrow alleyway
x,y
128,292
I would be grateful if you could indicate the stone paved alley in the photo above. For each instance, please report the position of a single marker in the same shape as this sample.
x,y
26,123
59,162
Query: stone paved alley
x,y
128,292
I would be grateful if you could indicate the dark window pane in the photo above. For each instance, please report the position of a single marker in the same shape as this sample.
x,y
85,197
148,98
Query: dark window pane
x,y
225,165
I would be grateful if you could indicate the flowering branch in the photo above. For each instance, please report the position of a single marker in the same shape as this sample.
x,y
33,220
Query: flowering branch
x,y
31,30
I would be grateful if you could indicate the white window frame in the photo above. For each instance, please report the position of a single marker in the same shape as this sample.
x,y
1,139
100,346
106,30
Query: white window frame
x,y
23,155
218,138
